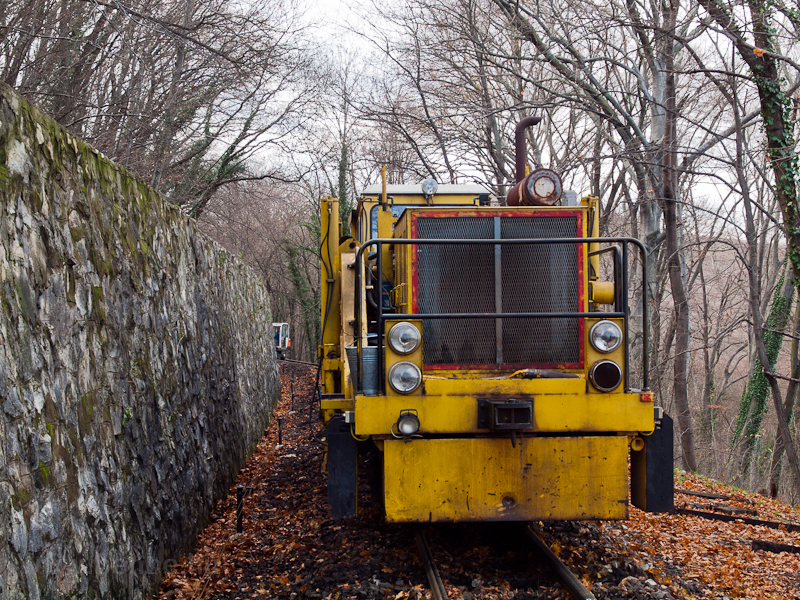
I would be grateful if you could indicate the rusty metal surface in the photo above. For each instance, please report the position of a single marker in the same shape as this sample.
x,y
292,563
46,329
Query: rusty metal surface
x,y
520,153
542,187
437,585
562,571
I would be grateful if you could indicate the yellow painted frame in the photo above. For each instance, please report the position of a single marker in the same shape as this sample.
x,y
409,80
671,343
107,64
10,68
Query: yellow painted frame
x,y
552,413
330,294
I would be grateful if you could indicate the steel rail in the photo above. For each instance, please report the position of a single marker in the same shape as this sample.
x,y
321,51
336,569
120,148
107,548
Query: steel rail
x,y
570,581
300,362
793,527
567,577
437,586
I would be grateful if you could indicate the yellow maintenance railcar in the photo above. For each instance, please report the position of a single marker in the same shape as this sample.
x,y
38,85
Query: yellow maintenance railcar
x,y
475,349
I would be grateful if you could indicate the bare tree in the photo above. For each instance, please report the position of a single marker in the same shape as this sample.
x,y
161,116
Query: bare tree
x,y
763,60
238,81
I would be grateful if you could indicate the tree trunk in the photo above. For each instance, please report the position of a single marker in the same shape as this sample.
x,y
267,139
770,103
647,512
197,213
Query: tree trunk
x,y
782,158
306,297
783,427
672,225
706,409
788,408
753,406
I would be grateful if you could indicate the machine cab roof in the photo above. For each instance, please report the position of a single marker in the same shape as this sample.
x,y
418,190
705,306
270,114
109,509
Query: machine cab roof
x,y
443,191
400,197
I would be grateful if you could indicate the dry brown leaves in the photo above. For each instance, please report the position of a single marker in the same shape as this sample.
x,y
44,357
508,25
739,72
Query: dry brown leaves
x,y
226,564
715,556
291,549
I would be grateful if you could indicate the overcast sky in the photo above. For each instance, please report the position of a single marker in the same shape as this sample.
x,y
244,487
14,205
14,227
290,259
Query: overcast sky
x,y
333,17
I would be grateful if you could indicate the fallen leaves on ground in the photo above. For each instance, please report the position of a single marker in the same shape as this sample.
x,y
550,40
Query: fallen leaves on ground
x,y
291,549
714,559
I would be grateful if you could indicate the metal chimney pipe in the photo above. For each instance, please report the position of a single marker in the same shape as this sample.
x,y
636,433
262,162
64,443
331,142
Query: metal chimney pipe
x,y
520,153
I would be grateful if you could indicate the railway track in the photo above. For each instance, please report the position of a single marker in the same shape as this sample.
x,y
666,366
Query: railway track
x,y
297,362
568,579
437,586
562,571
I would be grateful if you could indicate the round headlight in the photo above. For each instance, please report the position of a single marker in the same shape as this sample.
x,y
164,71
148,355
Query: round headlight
x,y
429,187
405,377
605,375
404,338
408,423
605,336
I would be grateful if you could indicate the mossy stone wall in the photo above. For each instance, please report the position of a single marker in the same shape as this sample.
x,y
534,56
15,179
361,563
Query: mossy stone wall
x,y
136,369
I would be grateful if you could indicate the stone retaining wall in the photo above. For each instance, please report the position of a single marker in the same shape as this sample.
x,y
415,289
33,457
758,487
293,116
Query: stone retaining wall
x,y
136,369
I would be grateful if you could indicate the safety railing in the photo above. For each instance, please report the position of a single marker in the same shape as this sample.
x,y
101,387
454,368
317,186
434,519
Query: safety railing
x,y
620,256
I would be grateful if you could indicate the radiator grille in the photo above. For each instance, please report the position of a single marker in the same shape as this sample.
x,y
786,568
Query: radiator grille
x,y
457,279
540,279
462,278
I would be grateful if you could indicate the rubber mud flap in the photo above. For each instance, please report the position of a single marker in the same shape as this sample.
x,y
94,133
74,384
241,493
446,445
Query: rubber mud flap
x,y
652,481
342,469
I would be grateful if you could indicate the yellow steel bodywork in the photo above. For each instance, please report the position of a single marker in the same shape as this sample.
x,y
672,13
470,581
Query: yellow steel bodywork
x,y
447,404
479,479
439,200
330,295
572,463
591,202
332,407
603,292
559,411
385,224
347,318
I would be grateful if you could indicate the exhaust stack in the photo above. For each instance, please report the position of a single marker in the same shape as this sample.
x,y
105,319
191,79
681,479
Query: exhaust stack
x,y
520,152
542,187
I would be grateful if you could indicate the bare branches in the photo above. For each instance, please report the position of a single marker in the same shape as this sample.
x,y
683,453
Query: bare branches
x,y
186,92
